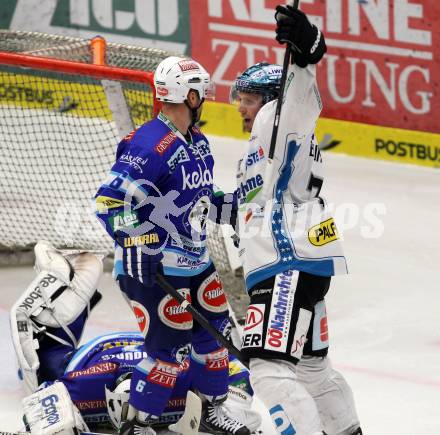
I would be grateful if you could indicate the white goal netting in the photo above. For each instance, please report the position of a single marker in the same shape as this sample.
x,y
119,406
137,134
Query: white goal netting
x,y
58,134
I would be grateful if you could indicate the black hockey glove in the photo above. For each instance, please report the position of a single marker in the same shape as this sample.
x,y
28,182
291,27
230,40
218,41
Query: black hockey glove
x,y
306,40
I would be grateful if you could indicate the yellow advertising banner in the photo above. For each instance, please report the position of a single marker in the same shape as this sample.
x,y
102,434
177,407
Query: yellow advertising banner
x,y
346,137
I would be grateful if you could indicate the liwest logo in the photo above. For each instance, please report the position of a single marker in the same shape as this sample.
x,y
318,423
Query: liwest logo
x,y
323,233
255,157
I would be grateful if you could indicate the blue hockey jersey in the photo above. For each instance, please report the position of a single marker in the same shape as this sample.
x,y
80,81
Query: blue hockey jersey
x,y
101,361
161,187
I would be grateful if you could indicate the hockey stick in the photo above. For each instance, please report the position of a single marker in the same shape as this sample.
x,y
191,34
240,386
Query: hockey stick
x,y
276,121
199,317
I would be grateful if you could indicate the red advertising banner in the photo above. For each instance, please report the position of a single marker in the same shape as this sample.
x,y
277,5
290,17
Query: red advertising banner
x,y
382,65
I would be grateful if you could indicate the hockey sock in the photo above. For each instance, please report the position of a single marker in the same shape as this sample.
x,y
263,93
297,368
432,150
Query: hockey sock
x,y
209,367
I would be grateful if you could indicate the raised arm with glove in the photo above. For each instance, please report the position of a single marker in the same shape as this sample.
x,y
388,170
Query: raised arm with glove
x,y
305,39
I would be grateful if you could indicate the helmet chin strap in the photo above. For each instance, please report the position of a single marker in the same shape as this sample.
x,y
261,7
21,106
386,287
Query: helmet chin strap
x,y
193,111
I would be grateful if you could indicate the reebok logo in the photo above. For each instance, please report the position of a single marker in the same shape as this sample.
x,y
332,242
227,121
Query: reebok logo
x,y
35,294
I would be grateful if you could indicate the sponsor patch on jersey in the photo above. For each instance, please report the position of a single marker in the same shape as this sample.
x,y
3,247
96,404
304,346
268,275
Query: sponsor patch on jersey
x,y
123,220
121,343
211,295
300,336
217,360
164,373
248,190
320,327
142,316
323,233
104,203
176,403
130,135
188,245
201,148
172,314
105,367
253,328
196,179
136,162
126,355
165,142
278,324
189,263
188,65
179,156
255,157
86,405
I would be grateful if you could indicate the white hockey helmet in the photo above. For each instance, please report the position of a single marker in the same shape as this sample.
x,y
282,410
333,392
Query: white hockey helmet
x,y
117,401
176,76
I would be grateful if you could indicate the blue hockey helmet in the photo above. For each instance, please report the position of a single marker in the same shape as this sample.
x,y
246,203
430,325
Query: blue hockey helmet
x,y
262,78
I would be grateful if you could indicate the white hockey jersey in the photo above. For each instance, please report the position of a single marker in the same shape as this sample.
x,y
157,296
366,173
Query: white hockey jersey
x,y
283,222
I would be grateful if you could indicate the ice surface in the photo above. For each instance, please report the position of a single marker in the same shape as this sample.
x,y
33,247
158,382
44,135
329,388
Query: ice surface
x,y
384,318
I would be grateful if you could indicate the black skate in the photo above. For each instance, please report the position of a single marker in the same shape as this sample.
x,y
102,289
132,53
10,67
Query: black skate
x,y
215,420
132,427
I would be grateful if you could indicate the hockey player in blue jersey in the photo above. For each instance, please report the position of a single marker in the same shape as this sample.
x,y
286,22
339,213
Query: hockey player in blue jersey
x,y
91,383
289,242
154,204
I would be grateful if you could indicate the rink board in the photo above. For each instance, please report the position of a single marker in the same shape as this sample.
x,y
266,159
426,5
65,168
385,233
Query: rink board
x,y
346,137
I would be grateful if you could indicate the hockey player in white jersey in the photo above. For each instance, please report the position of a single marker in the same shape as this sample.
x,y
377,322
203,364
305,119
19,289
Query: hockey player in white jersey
x,y
289,242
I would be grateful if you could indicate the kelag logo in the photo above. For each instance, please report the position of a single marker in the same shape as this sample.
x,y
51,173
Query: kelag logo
x,y
128,21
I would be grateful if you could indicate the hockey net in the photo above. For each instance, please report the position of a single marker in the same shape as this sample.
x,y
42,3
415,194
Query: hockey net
x,y
64,105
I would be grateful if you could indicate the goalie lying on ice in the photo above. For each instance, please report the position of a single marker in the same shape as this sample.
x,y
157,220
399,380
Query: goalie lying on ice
x,y
91,382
